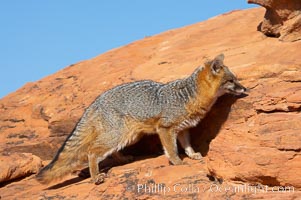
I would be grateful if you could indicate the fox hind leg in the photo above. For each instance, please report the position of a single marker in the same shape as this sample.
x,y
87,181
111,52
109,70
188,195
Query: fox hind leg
x,y
98,152
96,177
96,155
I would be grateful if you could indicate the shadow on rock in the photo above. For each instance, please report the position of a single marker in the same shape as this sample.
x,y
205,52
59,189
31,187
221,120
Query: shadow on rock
x,y
65,183
209,127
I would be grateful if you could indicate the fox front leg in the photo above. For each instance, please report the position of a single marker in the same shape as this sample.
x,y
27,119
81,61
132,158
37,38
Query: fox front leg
x,y
168,139
184,139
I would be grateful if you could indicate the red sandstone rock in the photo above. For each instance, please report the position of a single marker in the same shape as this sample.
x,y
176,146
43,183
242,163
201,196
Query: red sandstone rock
x,y
18,165
282,19
249,141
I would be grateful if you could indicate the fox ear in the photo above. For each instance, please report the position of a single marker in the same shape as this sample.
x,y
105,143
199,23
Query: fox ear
x,y
220,57
217,64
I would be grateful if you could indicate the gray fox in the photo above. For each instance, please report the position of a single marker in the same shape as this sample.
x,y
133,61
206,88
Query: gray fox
x,y
121,115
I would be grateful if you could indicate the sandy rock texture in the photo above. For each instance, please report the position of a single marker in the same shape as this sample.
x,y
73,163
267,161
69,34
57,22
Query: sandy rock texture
x,y
251,145
282,19
18,165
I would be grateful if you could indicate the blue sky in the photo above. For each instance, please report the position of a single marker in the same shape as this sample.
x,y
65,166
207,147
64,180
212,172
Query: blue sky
x,y
38,38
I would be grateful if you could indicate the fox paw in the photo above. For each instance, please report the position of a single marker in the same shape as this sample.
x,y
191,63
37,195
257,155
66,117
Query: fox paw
x,y
176,162
100,178
196,156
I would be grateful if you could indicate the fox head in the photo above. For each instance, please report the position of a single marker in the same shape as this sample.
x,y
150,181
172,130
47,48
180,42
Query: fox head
x,y
229,82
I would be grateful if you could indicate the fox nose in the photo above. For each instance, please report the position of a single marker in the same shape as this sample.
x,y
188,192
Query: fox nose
x,y
246,89
242,89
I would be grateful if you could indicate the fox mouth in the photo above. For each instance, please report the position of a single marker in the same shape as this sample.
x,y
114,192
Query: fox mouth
x,y
238,92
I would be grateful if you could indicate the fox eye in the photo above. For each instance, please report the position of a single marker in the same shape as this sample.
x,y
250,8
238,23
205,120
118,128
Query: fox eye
x,y
231,81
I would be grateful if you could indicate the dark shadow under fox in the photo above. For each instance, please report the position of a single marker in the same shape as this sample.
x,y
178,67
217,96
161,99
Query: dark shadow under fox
x,y
122,115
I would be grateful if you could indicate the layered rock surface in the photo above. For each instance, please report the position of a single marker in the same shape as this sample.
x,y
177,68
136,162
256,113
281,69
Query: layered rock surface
x,y
250,141
282,19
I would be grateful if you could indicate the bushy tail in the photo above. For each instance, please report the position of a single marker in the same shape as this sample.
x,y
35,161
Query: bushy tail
x,y
56,169
71,155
